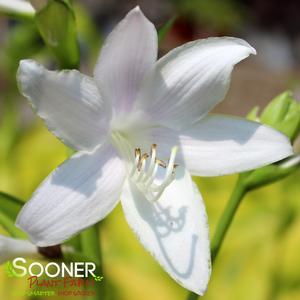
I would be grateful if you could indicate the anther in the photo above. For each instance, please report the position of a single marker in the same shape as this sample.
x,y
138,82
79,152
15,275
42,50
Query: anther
x,y
144,177
137,152
153,148
161,163
142,160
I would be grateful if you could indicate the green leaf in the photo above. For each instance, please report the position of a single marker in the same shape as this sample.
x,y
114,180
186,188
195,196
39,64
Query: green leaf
x,y
10,205
9,209
57,25
8,128
164,30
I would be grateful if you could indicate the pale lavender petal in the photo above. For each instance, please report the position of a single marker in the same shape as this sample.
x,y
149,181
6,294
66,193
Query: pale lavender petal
x,y
173,229
190,80
127,55
220,145
79,193
68,102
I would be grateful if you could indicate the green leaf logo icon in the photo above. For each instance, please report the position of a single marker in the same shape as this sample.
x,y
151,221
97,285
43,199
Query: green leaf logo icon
x,y
9,270
98,278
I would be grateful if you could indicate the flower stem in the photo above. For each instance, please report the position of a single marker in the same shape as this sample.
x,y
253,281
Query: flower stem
x,y
227,217
224,223
90,243
192,296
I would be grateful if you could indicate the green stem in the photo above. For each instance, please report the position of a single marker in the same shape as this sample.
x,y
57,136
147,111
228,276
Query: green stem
x,y
227,217
192,296
90,244
224,223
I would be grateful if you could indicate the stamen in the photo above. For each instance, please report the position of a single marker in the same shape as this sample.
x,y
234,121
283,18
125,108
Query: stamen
x,y
144,177
152,163
153,148
169,173
137,153
141,167
143,159
150,180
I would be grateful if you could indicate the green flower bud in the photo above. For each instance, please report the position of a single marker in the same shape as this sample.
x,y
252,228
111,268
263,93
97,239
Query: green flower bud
x,y
253,114
283,114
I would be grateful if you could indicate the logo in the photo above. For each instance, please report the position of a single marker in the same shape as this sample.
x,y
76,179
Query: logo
x,y
55,278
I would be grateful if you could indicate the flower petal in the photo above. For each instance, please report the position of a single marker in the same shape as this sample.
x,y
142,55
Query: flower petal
x,y
128,53
67,101
11,248
190,80
174,229
79,193
219,145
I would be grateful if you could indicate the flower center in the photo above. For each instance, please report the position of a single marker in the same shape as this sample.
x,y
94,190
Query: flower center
x,y
145,169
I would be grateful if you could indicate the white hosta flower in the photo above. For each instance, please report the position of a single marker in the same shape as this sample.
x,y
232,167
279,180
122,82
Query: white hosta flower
x,y
16,6
141,128
11,248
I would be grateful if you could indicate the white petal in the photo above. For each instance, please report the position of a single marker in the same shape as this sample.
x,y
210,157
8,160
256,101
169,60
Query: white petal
x,y
128,53
174,230
79,193
190,80
11,248
220,145
67,101
16,6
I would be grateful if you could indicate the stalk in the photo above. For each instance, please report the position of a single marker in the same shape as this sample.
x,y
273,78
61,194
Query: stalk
x,y
224,223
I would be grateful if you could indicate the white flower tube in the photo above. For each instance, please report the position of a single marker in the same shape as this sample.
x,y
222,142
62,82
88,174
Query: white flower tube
x,y
292,161
11,248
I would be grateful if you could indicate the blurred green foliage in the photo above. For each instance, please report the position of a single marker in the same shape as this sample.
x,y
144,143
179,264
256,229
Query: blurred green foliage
x,y
9,209
57,25
164,30
220,15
